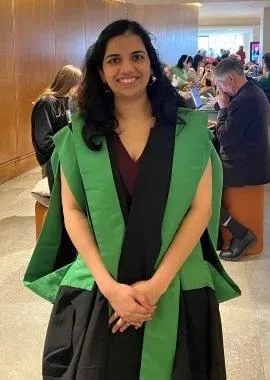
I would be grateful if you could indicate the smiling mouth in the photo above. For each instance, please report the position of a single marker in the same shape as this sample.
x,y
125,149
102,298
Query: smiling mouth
x,y
130,80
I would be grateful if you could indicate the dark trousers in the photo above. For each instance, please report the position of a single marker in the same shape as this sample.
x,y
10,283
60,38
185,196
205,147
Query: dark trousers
x,y
236,228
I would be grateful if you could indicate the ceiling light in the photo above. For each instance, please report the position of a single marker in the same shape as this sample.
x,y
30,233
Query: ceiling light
x,y
119,1
195,4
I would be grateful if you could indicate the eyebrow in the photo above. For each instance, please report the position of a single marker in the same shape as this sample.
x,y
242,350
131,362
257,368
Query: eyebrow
x,y
118,55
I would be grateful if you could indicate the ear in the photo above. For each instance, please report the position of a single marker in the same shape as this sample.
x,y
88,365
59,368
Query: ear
x,y
230,77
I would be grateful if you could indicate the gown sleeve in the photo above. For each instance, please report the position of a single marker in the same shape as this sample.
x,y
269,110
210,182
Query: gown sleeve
x,y
54,252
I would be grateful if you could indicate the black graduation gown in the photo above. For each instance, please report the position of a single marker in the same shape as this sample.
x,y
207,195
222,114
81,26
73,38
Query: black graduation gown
x,y
79,344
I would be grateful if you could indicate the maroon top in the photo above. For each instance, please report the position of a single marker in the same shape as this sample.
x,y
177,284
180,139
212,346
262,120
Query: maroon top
x,y
128,168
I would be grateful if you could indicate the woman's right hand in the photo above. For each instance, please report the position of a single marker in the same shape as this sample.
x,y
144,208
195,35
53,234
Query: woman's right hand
x,y
129,304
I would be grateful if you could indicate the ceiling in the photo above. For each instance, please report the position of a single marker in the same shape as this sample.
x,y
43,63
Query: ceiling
x,y
236,9
217,9
156,2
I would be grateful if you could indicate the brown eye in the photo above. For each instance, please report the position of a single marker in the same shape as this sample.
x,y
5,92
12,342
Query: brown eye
x,y
137,57
113,61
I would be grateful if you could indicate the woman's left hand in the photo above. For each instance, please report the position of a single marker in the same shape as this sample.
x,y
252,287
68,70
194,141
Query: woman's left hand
x,y
147,289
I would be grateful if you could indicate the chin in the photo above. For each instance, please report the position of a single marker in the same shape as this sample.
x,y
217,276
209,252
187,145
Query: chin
x,y
131,93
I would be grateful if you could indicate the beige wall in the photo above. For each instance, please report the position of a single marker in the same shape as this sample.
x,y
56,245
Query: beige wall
x,y
174,28
37,37
265,30
229,21
245,23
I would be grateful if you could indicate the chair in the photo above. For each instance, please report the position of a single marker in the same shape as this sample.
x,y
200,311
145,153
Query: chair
x,y
246,205
40,215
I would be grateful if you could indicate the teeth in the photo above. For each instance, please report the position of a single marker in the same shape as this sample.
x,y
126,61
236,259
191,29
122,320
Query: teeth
x,y
128,80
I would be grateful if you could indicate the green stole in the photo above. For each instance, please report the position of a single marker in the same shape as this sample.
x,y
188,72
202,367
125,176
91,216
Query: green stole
x,y
90,178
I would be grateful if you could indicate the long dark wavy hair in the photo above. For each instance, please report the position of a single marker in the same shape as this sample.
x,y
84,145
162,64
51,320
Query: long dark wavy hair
x,y
96,102
196,61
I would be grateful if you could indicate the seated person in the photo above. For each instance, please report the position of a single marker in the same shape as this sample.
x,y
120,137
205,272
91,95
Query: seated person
x,y
179,72
52,112
167,70
196,71
265,81
242,134
207,79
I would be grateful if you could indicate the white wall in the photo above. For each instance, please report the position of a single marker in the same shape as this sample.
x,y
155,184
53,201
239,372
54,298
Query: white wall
x,y
246,33
265,31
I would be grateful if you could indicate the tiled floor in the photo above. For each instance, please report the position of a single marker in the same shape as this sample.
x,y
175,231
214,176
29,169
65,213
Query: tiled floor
x,y
24,317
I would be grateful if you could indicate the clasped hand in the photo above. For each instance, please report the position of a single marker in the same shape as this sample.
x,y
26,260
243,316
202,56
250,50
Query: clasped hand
x,y
132,305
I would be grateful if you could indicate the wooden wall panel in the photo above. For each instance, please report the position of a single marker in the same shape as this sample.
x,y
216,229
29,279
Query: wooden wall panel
x,y
34,36
189,30
182,31
97,17
7,84
70,41
174,28
155,22
13,168
34,61
117,11
135,12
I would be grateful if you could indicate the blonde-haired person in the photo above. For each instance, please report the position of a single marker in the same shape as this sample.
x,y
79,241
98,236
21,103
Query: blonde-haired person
x,y
52,112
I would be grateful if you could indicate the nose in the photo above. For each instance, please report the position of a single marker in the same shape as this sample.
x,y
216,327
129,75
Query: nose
x,y
127,66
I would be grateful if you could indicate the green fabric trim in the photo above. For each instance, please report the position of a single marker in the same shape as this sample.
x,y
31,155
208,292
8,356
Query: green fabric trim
x,y
193,149
68,161
78,276
102,199
40,276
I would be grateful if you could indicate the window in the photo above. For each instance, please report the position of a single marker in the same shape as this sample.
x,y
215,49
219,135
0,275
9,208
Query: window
x,y
203,43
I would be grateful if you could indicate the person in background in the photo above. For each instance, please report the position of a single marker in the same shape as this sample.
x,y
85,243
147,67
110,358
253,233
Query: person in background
x,y
222,51
207,79
52,112
265,81
242,54
196,71
235,56
242,137
180,71
167,71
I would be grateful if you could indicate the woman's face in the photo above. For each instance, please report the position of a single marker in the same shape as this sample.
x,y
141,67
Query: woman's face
x,y
209,67
126,66
74,90
201,63
187,65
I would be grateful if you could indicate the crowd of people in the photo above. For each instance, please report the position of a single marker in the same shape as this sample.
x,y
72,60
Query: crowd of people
x,y
198,70
131,231
191,71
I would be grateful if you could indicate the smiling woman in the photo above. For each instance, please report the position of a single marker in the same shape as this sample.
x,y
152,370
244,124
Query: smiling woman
x,y
123,53
139,183
127,74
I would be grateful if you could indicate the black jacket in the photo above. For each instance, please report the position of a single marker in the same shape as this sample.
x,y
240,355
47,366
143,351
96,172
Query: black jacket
x,y
242,133
49,115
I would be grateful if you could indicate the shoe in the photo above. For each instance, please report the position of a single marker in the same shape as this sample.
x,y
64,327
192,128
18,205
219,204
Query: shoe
x,y
238,247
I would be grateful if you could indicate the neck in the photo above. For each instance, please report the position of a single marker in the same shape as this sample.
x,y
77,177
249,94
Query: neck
x,y
132,109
